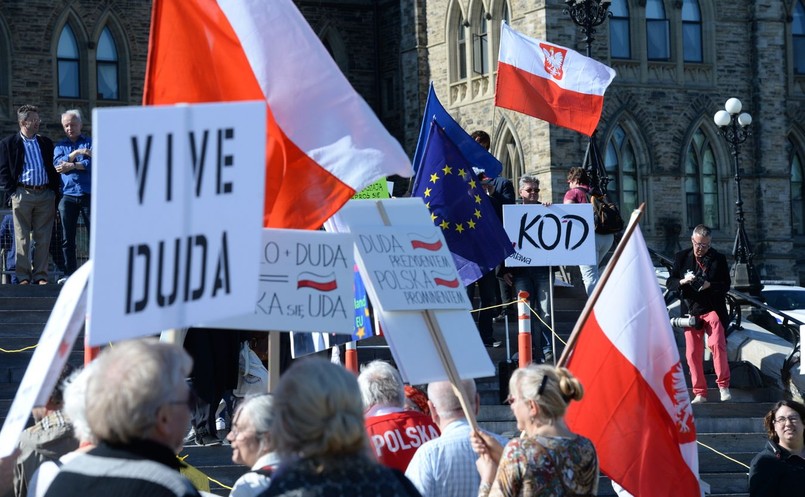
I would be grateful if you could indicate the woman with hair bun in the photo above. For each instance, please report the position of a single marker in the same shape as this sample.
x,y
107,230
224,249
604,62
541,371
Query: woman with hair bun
x,y
319,434
547,459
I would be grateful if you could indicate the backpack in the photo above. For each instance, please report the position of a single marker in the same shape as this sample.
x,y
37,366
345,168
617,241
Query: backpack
x,y
606,214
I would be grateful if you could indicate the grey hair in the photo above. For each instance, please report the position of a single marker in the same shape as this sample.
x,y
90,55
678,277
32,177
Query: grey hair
x,y
23,111
550,387
318,412
75,401
381,384
527,178
132,381
72,112
259,410
444,399
703,231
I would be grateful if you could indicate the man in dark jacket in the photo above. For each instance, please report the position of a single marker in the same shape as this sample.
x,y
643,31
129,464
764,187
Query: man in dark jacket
x,y
29,184
702,277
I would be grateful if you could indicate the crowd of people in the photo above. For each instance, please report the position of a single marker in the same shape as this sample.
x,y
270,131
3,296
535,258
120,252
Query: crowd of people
x,y
47,186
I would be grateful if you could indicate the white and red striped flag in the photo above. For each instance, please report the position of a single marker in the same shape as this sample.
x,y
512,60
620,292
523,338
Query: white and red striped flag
x,y
323,141
550,82
636,408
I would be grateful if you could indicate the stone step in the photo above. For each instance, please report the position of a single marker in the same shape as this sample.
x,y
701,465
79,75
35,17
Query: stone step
x,y
733,442
27,303
31,329
26,316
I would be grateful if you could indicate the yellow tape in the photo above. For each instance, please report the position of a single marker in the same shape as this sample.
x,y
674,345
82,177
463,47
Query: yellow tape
x,y
725,456
19,350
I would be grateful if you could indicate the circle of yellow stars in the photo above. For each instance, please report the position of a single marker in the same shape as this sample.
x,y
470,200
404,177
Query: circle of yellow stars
x,y
445,224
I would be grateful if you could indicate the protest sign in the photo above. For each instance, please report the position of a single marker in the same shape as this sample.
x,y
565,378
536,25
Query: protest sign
x,y
554,235
378,189
418,357
49,358
305,284
177,209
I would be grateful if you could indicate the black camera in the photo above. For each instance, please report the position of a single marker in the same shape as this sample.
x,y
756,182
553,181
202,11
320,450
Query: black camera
x,y
686,322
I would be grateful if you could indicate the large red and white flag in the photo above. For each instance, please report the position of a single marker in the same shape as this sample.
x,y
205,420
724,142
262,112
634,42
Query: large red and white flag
x,y
636,408
550,82
323,141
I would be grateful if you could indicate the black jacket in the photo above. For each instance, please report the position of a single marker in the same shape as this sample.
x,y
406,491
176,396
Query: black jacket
x,y
695,301
774,472
12,158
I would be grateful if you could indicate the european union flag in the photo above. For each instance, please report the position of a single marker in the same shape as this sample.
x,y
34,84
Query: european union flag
x,y
477,155
460,207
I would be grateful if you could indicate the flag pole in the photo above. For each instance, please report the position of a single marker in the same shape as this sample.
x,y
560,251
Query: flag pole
x,y
585,313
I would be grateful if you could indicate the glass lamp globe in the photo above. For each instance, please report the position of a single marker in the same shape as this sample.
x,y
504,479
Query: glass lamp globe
x,y
722,118
745,119
733,106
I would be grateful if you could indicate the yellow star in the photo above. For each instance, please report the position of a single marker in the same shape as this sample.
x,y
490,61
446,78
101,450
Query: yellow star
x,y
444,224
361,332
471,224
477,213
434,178
477,199
447,170
472,183
433,216
459,227
427,192
462,173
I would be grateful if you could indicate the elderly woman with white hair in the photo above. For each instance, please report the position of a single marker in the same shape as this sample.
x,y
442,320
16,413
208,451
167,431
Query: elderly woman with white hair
x,y
252,445
320,437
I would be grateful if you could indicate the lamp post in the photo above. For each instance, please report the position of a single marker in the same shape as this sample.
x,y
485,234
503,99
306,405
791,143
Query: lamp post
x,y
734,127
588,15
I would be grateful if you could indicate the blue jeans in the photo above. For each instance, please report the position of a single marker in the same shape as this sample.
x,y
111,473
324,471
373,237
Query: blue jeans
x,y
591,274
69,208
536,281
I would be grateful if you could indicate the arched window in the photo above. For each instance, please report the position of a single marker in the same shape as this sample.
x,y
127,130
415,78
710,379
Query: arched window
x,y
701,182
797,192
621,166
798,33
5,69
507,150
461,48
691,31
480,43
69,63
619,38
108,67
657,33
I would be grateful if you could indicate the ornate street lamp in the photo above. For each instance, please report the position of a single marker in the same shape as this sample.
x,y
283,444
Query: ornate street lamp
x,y
588,15
734,127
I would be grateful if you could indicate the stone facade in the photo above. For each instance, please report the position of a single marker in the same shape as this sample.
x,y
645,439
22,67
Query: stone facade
x,y
391,50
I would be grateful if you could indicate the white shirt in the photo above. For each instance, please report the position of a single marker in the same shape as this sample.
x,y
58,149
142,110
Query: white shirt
x,y
252,484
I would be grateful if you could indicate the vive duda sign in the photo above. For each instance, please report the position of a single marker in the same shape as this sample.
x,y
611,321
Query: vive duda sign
x,y
177,212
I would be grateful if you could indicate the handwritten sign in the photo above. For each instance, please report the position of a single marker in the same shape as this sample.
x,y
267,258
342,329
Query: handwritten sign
x,y
49,358
305,284
378,189
555,235
177,209
410,268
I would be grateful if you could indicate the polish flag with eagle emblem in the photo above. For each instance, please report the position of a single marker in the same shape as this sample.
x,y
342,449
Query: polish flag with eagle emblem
x,y
550,82
323,142
636,409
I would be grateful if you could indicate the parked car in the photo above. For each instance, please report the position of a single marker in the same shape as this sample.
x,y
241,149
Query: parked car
x,y
786,298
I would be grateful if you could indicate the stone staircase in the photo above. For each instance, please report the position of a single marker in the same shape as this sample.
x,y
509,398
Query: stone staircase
x,y
734,429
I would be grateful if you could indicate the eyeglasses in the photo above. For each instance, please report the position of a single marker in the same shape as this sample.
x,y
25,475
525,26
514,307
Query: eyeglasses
x,y
190,402
791,419
531,190
33,121
701,245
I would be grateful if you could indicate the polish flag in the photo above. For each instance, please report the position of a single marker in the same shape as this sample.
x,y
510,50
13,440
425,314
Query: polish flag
x,y
323,142
636,408
550,82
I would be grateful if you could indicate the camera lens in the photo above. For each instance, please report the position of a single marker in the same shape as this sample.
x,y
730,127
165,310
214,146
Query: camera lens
x,y
684,322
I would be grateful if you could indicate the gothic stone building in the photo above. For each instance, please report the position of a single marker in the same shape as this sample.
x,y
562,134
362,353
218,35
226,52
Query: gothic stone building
x,y
677,62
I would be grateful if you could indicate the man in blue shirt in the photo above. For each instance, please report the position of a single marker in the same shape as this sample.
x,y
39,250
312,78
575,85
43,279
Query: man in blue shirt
x,y
72,158
30,184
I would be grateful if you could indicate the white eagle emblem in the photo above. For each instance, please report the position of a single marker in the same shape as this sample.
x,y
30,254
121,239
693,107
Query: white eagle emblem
x,y
554,59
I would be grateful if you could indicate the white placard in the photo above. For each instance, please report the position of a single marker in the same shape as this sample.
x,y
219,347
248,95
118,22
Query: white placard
x,y
177,213
406,331
554,235
49,358
305,284
408,268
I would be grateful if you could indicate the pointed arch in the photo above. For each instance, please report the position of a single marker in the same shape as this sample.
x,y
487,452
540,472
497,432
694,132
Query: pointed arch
x,y
705,168
335,45
111,78
479,18
456,34
69,45
796,162
626,160
508,149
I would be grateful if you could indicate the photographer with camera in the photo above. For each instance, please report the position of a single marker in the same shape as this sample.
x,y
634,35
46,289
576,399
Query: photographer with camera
x,y
701,276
